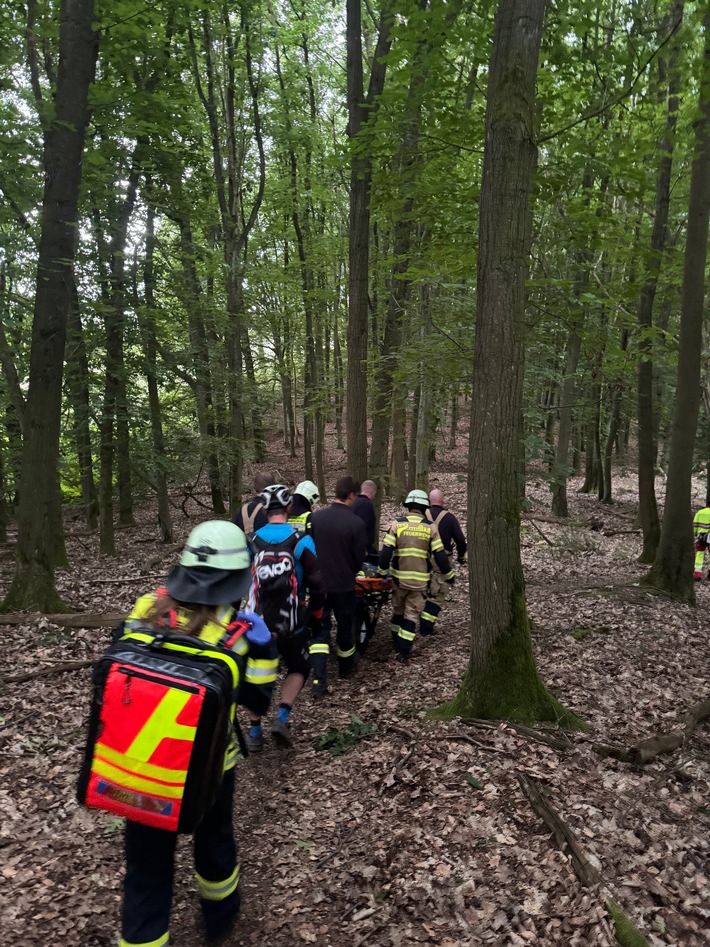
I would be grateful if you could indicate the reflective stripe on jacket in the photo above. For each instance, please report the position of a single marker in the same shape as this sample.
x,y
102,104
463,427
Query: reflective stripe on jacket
x,y
409,543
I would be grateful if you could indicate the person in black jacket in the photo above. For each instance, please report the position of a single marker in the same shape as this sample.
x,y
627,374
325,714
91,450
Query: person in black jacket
x,y
364,508
451,536
341,544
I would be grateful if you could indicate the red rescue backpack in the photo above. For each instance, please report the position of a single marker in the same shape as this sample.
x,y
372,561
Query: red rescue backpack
x,y
160,724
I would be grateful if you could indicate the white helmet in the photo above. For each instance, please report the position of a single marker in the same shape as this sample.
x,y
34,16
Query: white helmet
x,y
417,498
308,490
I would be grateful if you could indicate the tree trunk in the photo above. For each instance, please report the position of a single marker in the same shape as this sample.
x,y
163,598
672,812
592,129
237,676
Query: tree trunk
x,y
647,447
502,681
360,113
147,325
672,570
78,382
39,519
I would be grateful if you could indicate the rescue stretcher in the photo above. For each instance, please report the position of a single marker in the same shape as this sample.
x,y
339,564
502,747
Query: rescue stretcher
x,y
373,592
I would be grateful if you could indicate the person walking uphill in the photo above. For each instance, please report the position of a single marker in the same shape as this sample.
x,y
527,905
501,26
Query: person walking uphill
x,y
214,570
304,496
284,568
364,508
341,541
252,516
451,535
701,531
408,546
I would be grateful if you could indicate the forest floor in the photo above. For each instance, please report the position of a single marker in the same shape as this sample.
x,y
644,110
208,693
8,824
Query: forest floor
x,y
422,833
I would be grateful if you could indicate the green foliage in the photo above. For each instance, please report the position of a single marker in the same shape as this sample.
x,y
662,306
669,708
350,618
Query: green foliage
x,y
339,742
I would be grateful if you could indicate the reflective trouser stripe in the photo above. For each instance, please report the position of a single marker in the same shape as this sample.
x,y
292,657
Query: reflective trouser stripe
x,y
406,631
431,612
346,654
217,890
160,942
261,671
699,560
318,649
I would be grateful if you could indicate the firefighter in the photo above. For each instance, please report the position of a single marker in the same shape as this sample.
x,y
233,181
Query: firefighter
x,y
451,535
214,570
701,531
304,496
410,543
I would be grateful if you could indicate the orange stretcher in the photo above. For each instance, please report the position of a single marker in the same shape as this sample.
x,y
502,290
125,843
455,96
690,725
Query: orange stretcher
x,y
373,592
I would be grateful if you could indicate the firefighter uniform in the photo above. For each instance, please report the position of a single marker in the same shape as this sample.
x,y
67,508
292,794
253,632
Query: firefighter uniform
x,y
150,852
701,531
408,546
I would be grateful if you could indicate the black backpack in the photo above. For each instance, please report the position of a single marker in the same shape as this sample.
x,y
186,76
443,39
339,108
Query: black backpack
x,y
274,592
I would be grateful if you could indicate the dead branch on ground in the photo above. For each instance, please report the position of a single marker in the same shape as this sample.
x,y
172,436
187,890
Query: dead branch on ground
x,y
46,671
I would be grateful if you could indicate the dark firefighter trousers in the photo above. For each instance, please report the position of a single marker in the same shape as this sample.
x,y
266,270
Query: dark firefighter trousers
x,y
343,606
150,863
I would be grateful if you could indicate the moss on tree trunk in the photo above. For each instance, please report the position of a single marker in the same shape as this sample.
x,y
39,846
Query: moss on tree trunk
x,y
508,687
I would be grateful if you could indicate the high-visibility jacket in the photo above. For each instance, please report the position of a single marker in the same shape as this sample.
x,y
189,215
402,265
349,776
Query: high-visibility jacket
x,y
301,523
701,523
258,664
409,545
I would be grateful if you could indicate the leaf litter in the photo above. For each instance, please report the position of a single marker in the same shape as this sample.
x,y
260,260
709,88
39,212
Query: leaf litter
x,y
420,833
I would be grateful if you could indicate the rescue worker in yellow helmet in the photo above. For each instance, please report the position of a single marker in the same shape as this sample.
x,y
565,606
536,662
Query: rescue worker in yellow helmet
x,y
701,531
304,497
214,572
410,543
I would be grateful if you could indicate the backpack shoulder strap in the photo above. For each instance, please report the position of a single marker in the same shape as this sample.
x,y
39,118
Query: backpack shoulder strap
x,y
439,518
250,518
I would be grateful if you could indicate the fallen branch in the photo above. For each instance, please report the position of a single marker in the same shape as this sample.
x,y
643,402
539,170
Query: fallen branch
x,y
46,671
586,873
132,578
536,527
626,933
75,620
648,750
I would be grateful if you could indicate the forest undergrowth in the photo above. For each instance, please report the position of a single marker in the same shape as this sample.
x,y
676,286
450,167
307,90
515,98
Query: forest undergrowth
x,y
421,834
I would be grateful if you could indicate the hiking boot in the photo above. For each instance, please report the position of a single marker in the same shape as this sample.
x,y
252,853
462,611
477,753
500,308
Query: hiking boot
x,y
281,733
349,671
319,691
255,744
401,657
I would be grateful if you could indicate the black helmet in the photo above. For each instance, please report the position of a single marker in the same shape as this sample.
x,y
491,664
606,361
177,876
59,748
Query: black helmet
x,y
276,497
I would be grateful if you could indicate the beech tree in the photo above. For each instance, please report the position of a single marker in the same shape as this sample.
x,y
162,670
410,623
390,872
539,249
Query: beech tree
x,y
501,680
39,515
672,570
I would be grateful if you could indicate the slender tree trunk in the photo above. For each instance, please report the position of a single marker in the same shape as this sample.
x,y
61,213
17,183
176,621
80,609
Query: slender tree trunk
x,y
78,382
672,570
360,110
39,518
647,447
147,325
502,681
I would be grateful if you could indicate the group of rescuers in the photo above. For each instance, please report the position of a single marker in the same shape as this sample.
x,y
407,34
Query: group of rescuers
x,y
417,553
201,597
